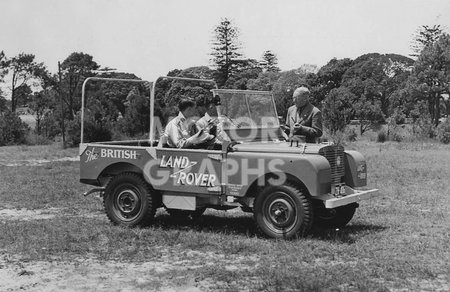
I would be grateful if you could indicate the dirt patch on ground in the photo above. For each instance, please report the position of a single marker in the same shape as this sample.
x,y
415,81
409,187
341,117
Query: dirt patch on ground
x,y
87,275
173,270
27,215
36,162
168,273
41,214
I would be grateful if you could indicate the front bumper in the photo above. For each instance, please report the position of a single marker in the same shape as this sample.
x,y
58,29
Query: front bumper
x,y
354,196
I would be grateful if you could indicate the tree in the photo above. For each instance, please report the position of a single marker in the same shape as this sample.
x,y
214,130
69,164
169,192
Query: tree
x,y
425,37
12,129
3,106
368,110
377,76
337,109
22,69
41,103
76,67
432,75
264,82
269,62
330,76
225,51
23,95
248,69
136,121
3,66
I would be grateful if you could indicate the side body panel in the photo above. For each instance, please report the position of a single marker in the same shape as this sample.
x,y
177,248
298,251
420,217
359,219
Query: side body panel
x,y
203,172
98,158
186,171
171,170
244,168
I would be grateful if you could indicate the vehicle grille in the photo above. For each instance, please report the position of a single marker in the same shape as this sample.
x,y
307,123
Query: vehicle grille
x,y
335,156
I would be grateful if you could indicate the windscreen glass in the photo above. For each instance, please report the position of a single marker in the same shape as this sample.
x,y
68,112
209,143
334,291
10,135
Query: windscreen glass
x,y
248,109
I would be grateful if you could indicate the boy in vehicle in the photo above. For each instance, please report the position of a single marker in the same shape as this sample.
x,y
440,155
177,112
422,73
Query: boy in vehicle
x,y
181,132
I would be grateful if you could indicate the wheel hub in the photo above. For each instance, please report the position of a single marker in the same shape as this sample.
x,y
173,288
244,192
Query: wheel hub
x,y
127,202
281,212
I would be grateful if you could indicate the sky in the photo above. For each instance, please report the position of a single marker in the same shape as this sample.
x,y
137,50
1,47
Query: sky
x,y
151,37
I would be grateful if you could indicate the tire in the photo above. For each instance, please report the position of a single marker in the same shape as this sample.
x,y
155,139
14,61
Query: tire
x,y
336,217
129,201
283,212
186,215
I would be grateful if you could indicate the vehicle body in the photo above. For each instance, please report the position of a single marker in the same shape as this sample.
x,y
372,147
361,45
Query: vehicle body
x,y
288,185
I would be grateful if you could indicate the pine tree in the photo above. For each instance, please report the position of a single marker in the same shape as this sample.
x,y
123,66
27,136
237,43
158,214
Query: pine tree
x,y
269,62
425,37
225,51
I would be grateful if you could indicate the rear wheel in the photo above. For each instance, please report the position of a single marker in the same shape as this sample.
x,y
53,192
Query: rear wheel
x,y
336,217
129,200
283,211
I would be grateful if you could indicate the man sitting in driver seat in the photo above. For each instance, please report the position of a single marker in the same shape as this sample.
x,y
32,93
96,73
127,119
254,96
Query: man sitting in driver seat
x,y
181,132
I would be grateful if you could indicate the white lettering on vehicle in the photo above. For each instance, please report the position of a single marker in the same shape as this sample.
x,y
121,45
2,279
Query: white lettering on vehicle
x,y
196,179
182,164
118,153
176,162
91,155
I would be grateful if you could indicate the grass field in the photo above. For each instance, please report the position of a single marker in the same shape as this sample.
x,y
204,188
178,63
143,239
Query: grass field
x,y
52,238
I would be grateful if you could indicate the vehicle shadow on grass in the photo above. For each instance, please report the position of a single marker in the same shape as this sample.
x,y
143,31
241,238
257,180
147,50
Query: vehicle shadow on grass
x,y
348,234
245,225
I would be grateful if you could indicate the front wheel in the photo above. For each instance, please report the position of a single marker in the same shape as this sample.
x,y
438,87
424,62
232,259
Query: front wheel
x,y
129,200
283,211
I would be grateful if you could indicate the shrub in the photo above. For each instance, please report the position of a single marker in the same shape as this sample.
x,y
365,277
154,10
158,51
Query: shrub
x,y
382,136
12,129
337,109
35,139
351,134
443,131
424,128
396,136
94,131
49,126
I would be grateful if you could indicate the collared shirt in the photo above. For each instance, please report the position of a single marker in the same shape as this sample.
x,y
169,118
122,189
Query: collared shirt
x,y
177,132
310,118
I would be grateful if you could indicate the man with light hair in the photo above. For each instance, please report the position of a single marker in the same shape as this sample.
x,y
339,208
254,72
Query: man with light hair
x,y
303,118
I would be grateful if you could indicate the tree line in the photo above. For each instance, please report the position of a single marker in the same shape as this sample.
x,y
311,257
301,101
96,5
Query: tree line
x,y
373,88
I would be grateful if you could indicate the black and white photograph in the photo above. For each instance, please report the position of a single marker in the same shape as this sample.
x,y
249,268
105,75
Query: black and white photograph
x,y
225,145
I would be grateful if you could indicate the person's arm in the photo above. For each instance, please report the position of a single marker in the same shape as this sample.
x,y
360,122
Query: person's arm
x,y
287,126
288,119
316,127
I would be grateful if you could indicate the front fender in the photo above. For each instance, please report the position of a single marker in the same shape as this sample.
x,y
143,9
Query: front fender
x,y
244,169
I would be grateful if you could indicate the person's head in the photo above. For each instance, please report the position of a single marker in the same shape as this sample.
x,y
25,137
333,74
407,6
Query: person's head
x,y
207,105
187,107
301,96
201,105
211,108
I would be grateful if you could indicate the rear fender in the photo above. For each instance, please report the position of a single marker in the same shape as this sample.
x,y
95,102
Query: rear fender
x,y
98,161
